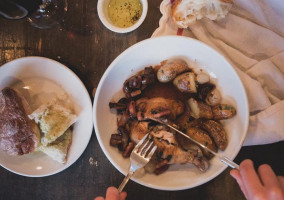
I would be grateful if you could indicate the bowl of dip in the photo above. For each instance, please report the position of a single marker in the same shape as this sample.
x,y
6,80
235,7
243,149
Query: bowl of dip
x,y
122,16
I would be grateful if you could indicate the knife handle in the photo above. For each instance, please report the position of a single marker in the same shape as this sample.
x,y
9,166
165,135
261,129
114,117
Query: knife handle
x,y
229,162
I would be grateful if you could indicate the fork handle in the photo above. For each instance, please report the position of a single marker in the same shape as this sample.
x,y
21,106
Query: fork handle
x,y
125,180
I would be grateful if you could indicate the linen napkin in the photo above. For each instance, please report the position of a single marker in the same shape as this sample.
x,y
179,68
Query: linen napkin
x,y
251,37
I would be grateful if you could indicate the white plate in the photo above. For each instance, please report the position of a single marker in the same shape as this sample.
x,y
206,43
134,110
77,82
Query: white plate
x,y
151,52
39,80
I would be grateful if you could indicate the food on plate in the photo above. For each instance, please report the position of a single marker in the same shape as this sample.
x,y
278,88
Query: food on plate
x,y
176,102
223,111
170,152
199,135
186,12
137,130
199,109
136,84
158,107
216,131
53,119
186,82
124,13
18,134
202,78
46,129
58,149
169,69
213,97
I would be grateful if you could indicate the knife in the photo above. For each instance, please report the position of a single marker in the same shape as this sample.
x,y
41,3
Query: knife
x,y
224,159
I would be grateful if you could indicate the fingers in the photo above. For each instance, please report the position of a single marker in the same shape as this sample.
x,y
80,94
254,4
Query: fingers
x,y
237,176
250,178
268,176
262,185
122,196
99,198
112,194
281,181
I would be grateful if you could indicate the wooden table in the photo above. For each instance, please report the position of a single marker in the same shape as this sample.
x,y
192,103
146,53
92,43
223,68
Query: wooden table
x,y
84,45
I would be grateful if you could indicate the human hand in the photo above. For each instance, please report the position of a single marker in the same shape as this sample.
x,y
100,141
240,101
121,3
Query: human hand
x,y
260,185
113,194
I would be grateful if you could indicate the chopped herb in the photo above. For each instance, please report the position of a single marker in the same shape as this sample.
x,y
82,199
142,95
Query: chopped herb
x,y
169,157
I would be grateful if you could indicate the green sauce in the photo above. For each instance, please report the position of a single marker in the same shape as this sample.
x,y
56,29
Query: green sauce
x,y
124,13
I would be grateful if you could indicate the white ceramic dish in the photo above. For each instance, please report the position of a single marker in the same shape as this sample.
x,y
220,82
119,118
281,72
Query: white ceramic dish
x,y
152,52
102,8
39,80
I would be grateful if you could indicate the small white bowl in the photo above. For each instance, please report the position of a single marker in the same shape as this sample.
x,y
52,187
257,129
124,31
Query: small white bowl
x,y
102,8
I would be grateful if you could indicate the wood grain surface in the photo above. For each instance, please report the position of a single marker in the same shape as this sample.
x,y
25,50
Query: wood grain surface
x,y
83,44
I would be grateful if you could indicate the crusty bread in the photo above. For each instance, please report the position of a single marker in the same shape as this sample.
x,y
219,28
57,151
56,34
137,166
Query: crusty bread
x,y
18,134
53,119
58,150
187,12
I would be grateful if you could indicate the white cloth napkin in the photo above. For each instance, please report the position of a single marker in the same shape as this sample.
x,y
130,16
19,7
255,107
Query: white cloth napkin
x,y
251,37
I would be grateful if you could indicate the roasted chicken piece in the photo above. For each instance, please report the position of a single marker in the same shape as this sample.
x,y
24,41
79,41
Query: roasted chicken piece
x,y
158,107
173,153
138,130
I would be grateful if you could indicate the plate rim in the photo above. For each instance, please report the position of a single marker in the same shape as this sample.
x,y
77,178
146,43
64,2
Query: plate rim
x,y
64,166
112,65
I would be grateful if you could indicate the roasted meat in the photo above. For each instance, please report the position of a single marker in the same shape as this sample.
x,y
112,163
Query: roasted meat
x,y
173,153
158,107
18,134
138,130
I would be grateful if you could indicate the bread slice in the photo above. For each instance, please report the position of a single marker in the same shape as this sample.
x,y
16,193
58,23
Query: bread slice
x,y
58,150
53,119
187,12
18,134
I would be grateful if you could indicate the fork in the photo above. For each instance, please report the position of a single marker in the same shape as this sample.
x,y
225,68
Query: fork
x,y
139,157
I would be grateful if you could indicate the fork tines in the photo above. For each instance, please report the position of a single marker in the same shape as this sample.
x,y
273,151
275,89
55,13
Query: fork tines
x,y
145,147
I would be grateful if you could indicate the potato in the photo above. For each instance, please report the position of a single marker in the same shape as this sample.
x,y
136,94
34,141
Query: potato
x,y
170,69
199,109
223,111
216,131
202,78
213,97
186,82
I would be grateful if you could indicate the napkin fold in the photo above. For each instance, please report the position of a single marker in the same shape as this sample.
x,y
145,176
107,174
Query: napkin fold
x,y
251,37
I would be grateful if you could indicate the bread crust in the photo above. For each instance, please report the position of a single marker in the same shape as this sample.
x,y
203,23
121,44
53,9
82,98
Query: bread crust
x,y
186,12
18,134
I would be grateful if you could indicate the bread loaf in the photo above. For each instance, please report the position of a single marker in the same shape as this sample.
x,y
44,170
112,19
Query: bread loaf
x,y
18,134
53,119
187,12
58,150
